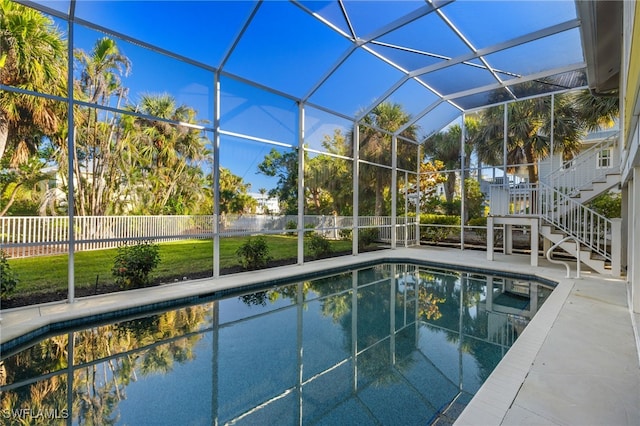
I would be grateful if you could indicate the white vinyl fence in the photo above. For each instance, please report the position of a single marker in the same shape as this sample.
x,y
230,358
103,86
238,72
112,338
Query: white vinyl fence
x,y
35,235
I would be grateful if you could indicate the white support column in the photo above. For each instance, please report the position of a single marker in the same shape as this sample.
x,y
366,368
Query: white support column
x,y
505,140
616,247
394,190
216,177
462,183
406,209
300,184
490,247
356,178
419,195
70,158
552,136
508,239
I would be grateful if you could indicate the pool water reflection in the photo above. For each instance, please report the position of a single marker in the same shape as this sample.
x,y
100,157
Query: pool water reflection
x,y
390,344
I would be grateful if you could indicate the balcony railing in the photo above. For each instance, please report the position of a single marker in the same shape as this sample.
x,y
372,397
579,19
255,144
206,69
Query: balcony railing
x,y
589,166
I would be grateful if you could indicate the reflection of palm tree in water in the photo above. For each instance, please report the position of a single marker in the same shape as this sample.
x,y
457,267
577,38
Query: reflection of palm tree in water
x,y
99,386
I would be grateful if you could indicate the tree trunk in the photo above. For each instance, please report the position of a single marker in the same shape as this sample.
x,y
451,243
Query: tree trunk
x,y
450,186
4,133
532,165
12,199
379,192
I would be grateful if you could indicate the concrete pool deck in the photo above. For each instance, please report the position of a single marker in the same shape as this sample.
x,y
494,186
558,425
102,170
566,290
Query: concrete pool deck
x,y
575,363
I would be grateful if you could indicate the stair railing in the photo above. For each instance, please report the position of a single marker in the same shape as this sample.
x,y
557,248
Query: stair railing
x,y
560,262
590,228
583,169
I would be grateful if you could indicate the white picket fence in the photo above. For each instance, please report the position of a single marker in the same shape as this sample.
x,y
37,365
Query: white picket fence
x,y
35,235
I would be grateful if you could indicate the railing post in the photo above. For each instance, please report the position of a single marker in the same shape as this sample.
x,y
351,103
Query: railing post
x,y
616,247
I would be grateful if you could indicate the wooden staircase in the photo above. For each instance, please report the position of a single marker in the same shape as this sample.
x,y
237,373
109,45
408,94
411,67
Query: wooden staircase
x,y
587,256
597,187
559,201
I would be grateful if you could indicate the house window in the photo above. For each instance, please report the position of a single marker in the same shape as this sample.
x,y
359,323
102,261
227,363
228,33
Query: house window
x,y
604,159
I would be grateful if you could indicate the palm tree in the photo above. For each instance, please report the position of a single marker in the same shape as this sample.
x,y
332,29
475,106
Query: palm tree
x,y
32,57
445,146
168,155
96,131
27,176
529,127
376,145
597,112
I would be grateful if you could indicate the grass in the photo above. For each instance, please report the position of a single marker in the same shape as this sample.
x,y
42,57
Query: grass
x,y
179,259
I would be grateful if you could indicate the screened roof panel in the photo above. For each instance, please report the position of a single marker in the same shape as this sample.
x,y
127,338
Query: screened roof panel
x,y
483,98
250,111
436,119
554,83
61,6
486,23
344,56
356,83
458,78
368,17
202,30
413,97
283,51
429,34
406,59
320,126
543,54
186,83
330,11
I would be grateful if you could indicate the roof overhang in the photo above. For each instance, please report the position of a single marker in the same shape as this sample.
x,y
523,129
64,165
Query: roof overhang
x,y
601,39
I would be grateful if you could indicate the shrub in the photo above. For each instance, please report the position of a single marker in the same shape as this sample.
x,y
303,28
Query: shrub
x,y
318,244
134,262
436,233
254,253
367,236
345,234
292,224
608,205
479,221
8,279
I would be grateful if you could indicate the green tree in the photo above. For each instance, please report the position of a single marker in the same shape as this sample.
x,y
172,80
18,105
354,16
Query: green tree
x,y
529,129
596,112
96,132
163,168
375,145
26,177
32,57
445,147
328,179
284,166
233,194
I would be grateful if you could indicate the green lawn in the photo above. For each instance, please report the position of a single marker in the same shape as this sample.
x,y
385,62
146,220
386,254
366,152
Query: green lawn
x,y
177,259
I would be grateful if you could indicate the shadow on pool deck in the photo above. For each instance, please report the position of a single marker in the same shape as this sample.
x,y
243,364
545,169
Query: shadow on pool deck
x,y
575,363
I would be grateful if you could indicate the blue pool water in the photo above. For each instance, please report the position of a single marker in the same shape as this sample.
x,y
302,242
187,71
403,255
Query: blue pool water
x,y
389,344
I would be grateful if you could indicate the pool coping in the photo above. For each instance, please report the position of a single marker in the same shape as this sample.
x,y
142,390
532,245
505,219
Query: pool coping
x,y
490,404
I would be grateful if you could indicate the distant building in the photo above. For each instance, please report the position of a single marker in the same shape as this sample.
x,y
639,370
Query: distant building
x,y
266,204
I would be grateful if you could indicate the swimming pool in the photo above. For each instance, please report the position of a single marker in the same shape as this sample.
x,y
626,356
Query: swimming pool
x,y
385,344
